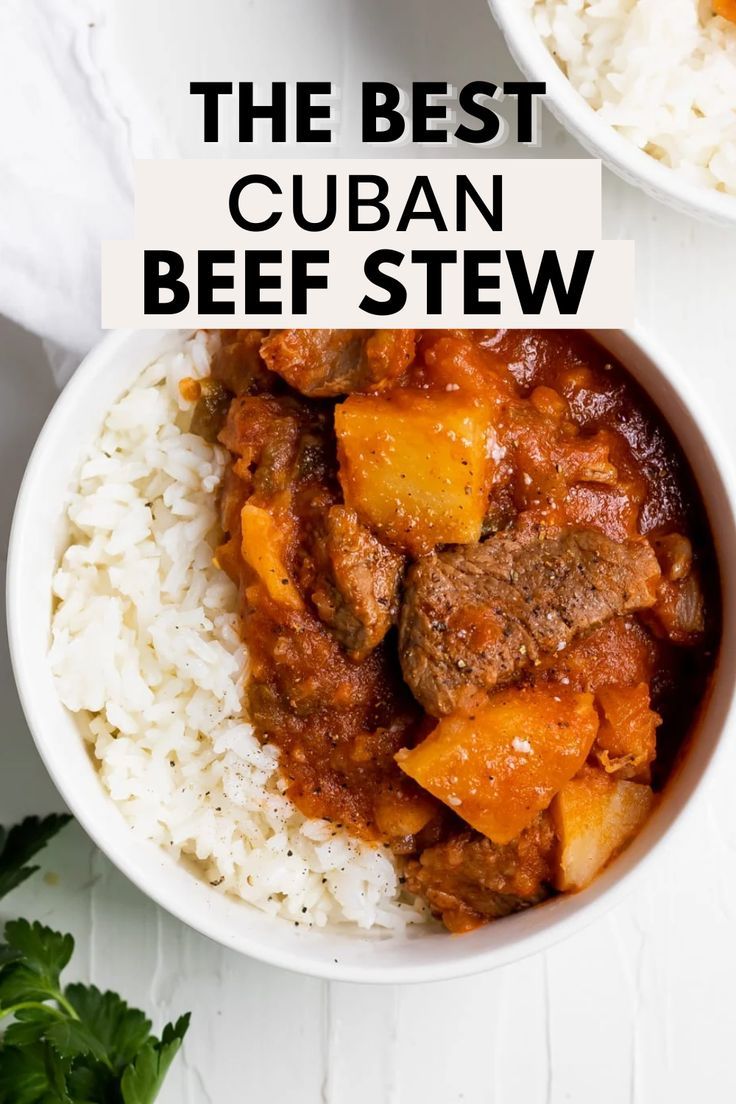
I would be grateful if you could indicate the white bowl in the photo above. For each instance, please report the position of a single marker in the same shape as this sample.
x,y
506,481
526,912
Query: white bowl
x,y
598,137
36,541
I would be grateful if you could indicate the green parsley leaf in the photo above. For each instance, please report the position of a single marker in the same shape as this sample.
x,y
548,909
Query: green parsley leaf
x,y
119,1030
32,1075
7,954
141,1081
21,843
44,951
74,1039
41,955
92,1083
30,1025
71,1045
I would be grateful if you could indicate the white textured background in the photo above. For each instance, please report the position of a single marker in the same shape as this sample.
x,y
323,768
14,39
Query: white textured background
x,y
639,1007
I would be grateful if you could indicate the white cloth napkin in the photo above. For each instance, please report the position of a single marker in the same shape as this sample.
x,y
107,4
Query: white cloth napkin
x,y
65,171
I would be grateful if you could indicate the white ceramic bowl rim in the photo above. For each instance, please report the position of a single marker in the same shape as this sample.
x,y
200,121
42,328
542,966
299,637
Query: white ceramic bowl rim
x,y
598,137
426,956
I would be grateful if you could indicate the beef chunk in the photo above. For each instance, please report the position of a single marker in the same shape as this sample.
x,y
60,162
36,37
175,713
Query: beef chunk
x,y
278,442
357,594
474,616
322,363
263,433
237,364
468,879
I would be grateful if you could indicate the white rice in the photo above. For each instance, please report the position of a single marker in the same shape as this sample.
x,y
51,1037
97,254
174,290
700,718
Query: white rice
x,y
662,72
145,645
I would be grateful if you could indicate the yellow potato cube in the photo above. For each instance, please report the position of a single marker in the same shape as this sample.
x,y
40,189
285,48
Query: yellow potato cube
x,y
415,465
263,547
595,816
499,767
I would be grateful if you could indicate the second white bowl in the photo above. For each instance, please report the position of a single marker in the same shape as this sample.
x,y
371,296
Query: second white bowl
x,y
598,137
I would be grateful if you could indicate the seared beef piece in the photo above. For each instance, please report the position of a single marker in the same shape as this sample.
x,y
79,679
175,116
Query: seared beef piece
x,y
322,363
264,433
474,616
357,593
237,364
469,879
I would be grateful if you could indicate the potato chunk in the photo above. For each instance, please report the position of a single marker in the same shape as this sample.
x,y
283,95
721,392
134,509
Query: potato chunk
x,y
500,766
263,548
726,8
595,817
415,465
627,738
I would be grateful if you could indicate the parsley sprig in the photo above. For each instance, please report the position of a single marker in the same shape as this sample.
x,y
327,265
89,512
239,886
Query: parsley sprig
x,y
21,843
66,1044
